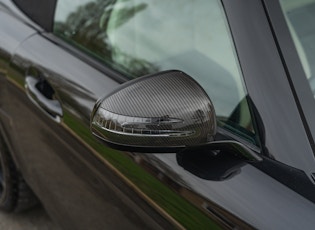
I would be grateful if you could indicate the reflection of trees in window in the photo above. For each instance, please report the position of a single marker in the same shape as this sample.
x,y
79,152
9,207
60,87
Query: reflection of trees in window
x,y
124,13
135,67
86,27
82,27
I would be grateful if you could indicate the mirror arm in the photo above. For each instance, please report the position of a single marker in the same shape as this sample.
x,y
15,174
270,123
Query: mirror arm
x,y
230,146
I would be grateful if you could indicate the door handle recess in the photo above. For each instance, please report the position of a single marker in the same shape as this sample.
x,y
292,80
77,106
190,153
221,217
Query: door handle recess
x,y
41,94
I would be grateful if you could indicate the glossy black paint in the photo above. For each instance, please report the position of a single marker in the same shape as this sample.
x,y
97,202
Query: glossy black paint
x,y
84,185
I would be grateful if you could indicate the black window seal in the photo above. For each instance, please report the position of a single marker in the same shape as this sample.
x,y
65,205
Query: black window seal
x,y
40,12
293,67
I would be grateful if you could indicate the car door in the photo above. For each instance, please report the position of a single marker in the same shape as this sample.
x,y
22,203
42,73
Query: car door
x,y
30,94
56,76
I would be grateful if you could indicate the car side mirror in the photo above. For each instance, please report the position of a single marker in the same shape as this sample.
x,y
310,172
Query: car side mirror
x,y
157,113
164,112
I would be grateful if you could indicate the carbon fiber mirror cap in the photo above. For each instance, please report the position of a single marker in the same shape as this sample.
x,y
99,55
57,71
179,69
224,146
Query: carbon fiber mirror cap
x,y
156,113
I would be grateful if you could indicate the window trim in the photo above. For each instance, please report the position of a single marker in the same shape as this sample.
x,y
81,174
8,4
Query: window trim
x,y
276,112
40,12
295,73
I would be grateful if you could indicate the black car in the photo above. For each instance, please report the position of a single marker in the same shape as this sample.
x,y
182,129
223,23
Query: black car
x,y
131,114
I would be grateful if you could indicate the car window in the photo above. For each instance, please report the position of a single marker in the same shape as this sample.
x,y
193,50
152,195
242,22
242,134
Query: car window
x,y
140,37
300,18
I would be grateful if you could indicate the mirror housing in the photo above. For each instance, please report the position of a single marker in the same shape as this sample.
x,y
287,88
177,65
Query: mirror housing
x,y
164,112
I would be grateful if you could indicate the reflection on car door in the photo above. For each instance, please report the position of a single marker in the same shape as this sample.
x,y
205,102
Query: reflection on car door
x,y
84,181
57,160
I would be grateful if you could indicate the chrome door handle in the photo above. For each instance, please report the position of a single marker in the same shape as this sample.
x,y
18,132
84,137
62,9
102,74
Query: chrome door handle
x,y
41,94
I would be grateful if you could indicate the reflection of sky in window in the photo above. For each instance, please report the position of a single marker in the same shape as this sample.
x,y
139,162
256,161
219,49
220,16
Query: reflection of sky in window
x,y
198,23
220,48
65,7
192,36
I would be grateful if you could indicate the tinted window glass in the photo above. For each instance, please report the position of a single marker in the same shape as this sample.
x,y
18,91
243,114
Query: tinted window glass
x,y
300,17
139,37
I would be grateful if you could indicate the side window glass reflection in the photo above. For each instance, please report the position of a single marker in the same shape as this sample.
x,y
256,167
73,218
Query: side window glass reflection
x,y
140,37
